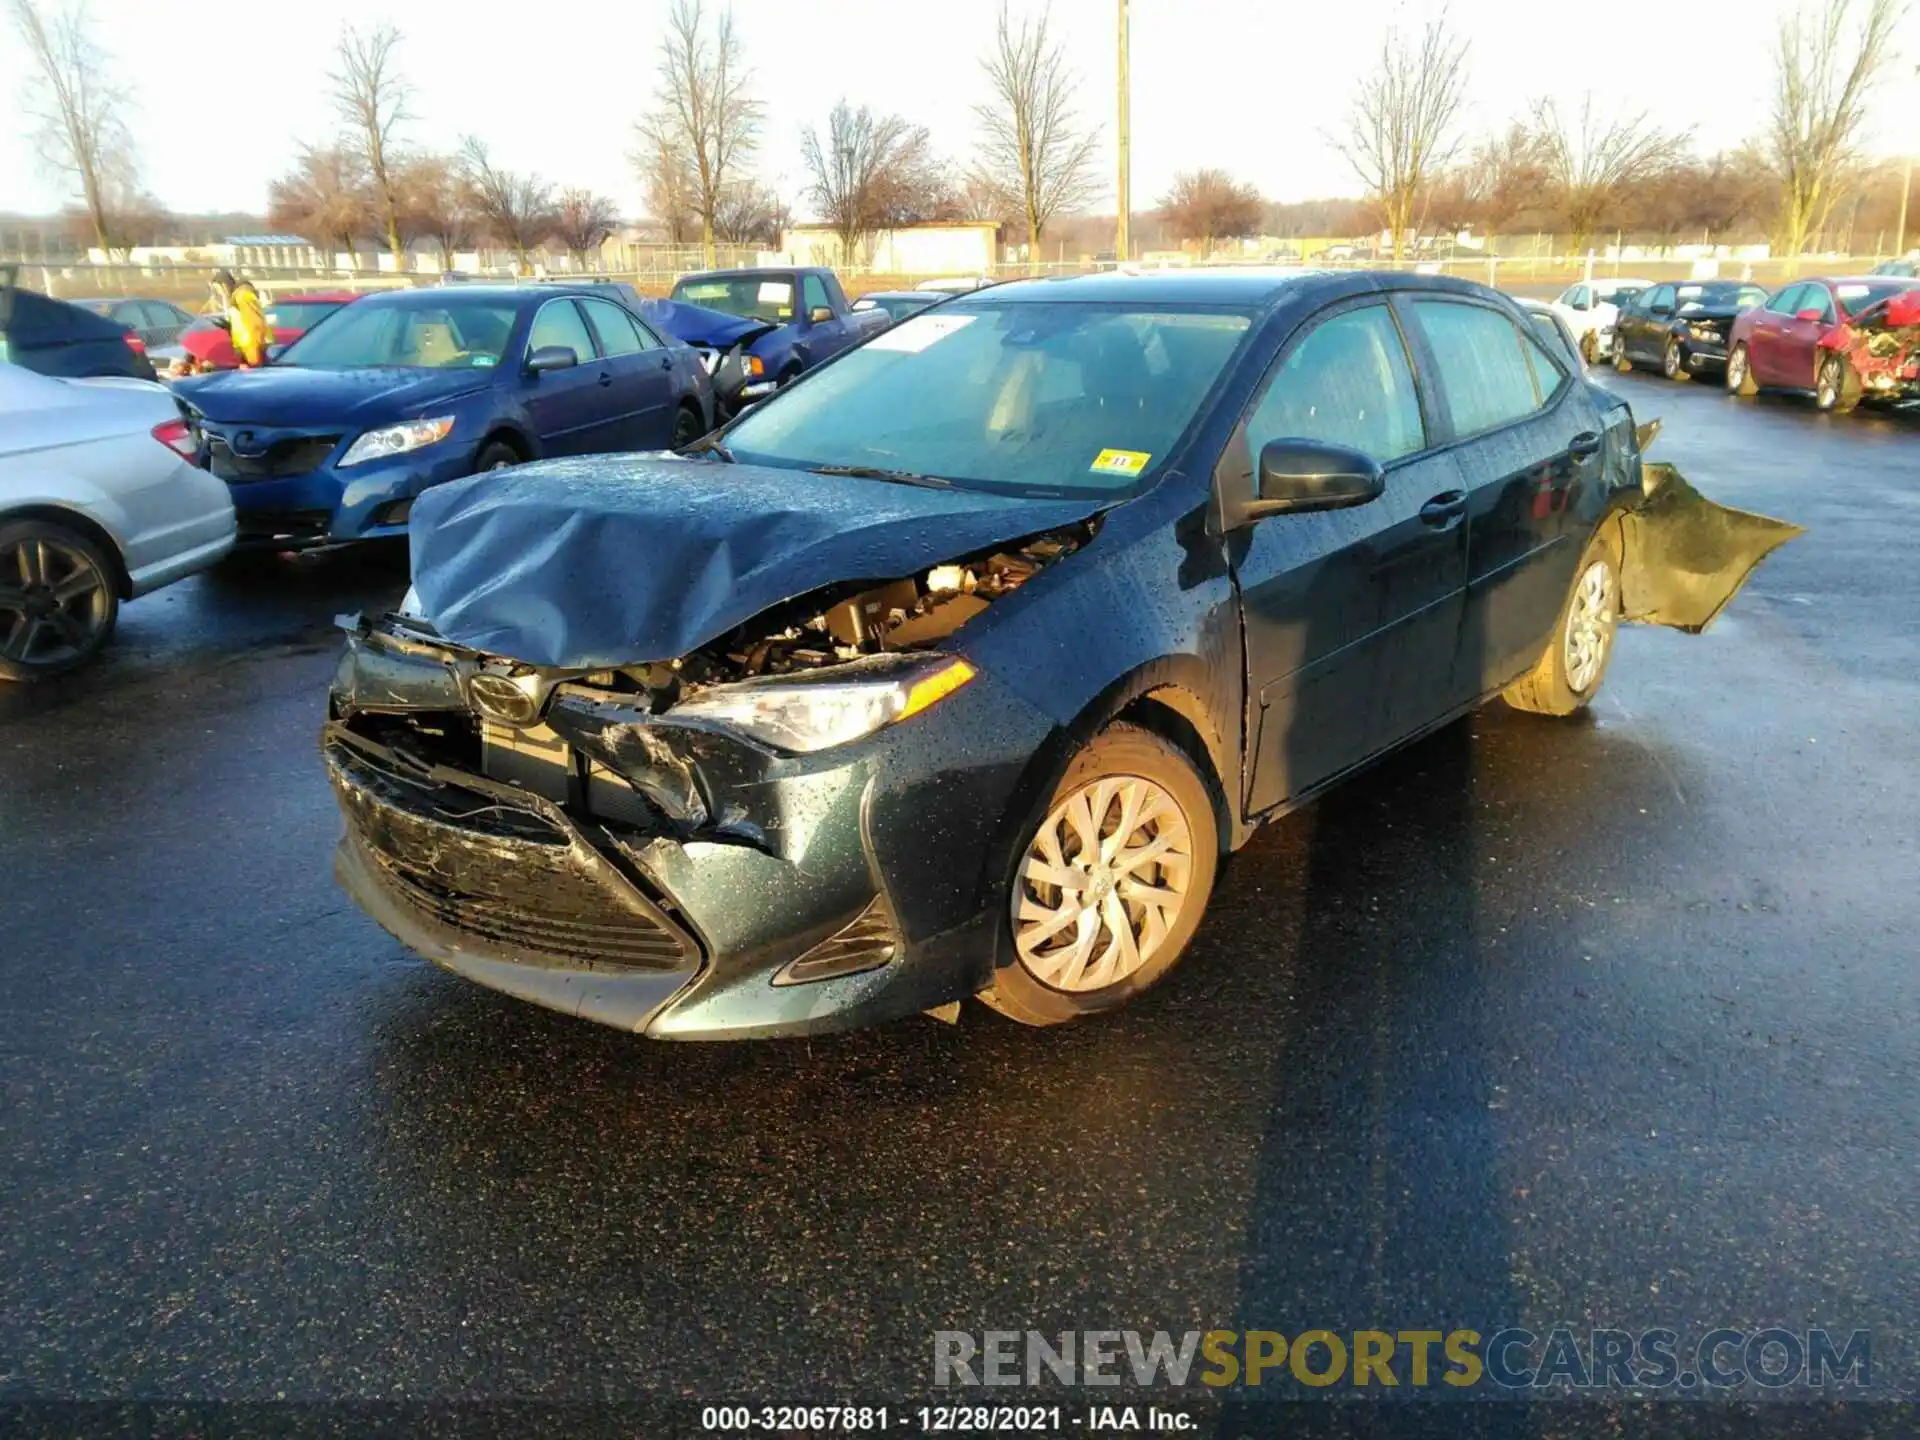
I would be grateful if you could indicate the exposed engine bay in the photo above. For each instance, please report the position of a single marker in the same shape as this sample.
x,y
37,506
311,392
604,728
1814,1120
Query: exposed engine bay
x,y
1882,344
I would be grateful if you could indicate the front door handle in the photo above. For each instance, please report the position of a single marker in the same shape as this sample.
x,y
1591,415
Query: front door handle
x,y
1444,508
666,362
1587,442
605,379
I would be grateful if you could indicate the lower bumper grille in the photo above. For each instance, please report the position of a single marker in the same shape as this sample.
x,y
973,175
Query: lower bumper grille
x,y
503,874
288,527
279,461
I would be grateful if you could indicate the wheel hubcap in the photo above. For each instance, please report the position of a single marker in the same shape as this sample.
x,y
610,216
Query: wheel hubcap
x,y
1589,626
1103,883
1829,386
1736,369
1673,359
53,602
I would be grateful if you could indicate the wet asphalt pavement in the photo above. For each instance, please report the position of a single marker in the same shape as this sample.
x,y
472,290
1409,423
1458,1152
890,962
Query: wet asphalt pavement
x,y
1609,1022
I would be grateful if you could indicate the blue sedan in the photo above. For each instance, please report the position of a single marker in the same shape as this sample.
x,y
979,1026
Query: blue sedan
x,y
396,393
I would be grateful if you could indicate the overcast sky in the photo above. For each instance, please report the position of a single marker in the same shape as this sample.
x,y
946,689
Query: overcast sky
x,y
1254,86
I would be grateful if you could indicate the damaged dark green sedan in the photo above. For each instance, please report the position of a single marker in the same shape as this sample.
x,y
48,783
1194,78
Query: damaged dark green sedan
x,y
956,668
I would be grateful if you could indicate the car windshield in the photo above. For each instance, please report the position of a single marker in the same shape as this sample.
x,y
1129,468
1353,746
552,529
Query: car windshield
x,y
451,334
1033,399
752,297
1720,297
300,314
1856,295
1621,295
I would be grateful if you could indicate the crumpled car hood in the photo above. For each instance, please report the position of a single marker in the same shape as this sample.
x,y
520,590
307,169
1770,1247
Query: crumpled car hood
x,y
626,559
697,325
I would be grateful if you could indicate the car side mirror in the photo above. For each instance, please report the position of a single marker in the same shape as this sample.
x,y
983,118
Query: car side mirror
x,y
1811,313
1295,476
552,357
819,315
221,321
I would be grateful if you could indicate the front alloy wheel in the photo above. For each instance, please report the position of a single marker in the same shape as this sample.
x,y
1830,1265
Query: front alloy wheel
x,y
1673,361
1836,387
1569,672
57,600
1740,371
1112,882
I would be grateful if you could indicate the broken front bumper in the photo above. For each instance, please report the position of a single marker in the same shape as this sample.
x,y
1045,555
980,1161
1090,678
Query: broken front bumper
x,y
684,883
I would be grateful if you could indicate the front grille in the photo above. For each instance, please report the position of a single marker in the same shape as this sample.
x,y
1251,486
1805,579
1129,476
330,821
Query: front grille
x,y
508,876
291,527
279,460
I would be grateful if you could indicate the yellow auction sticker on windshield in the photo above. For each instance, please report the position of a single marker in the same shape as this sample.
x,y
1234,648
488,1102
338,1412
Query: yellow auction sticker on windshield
x,y
1120,462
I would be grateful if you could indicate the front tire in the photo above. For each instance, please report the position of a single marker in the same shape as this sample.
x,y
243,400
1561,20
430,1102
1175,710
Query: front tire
x,y
1673,361
1837,388
1112,882
1571,670
1589,350
1620,361
58,599
1740,379
496,455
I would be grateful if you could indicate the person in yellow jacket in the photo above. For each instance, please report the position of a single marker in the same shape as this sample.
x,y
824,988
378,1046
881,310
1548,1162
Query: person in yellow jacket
x,y
246,318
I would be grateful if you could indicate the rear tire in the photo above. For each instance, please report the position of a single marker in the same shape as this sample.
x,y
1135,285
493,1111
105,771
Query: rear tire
x,y
1836,388
1589,350
1571,670
688,426
1740,379
59,599
1087,965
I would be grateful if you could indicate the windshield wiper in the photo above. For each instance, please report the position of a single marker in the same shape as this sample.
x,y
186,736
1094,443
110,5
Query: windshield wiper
x,y
876,472
713,447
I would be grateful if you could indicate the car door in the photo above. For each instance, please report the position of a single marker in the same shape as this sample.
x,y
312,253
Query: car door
x,y
1651,321
1798,340
820,340
1349,614
1765,335
642,371
1527,439
571,409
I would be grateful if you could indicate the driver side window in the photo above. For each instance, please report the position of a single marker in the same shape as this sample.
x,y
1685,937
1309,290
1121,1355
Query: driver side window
x,y
1787,300
1347,383
559,323
1660,302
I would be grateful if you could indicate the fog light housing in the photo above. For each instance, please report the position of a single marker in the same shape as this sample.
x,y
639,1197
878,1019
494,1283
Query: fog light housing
x,y
867,943
394,512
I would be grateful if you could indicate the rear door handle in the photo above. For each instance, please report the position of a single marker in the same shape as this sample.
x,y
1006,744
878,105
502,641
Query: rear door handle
x,y
1444,508
1587,442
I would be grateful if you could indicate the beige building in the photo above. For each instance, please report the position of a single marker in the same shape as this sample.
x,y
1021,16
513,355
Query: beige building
x,y
938,247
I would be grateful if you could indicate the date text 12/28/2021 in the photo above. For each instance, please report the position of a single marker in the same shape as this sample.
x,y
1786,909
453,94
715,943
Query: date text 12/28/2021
x,y
944,1419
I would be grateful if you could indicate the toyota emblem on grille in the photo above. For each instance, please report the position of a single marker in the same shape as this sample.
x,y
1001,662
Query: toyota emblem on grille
x,y
498,698
242,444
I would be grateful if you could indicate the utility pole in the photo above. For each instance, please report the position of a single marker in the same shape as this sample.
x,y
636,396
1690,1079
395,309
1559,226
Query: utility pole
x,y
1906,184
1122,241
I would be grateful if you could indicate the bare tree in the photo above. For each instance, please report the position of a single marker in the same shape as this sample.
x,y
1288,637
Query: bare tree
x,y
1208,205
371,96
436,204
584,222
1403,125
860,167
1510,176
1825,61
670,185
79,107
706,123
1033,148
325,198
1592,160
517,210
751,214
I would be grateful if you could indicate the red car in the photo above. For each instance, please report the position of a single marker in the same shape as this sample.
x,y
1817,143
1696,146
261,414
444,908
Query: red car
x,y
207,346
1845,340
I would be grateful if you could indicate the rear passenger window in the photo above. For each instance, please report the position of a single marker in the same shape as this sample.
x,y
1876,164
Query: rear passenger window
x,y
1348,383
1484,363
618,334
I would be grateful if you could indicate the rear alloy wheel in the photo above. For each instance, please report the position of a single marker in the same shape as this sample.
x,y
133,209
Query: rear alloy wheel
x,y
1673,361
1740,372
1112,883
57,599
1836,388
1570,671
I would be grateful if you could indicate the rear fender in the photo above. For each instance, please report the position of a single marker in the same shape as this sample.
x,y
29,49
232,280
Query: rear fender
x,y
1683,556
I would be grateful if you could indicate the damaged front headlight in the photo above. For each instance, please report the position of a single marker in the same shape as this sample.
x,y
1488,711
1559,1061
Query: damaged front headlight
x,y
804,713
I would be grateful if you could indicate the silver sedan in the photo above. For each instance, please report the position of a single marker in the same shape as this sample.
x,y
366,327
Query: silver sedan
x,y
99,503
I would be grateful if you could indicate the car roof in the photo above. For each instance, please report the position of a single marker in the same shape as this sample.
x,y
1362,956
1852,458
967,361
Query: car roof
x,y
431,295
1257,286
316,297
927,295
751,272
